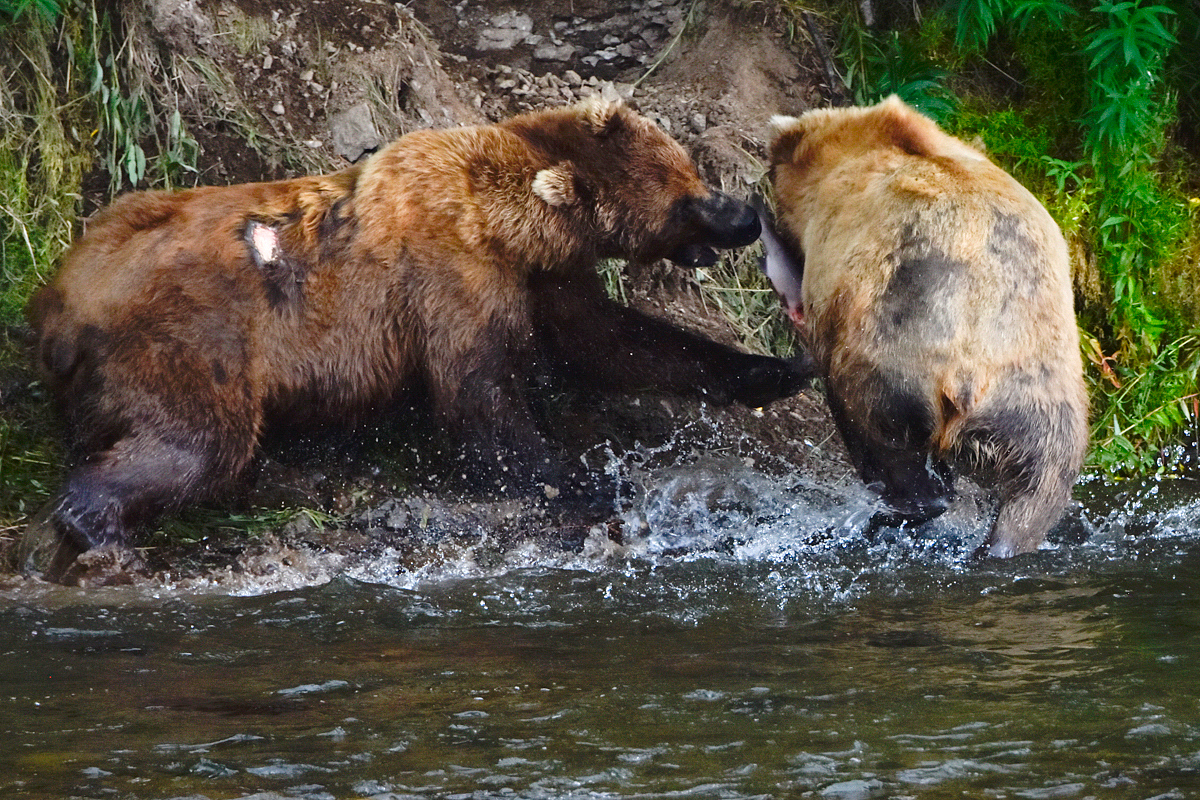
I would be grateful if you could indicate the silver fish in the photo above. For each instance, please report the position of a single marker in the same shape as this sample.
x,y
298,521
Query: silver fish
x,y
783,269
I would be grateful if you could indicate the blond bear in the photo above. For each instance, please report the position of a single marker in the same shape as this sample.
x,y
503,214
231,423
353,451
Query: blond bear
x,y
934,292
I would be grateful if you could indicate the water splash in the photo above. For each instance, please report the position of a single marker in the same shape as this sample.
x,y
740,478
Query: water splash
x,y
704,502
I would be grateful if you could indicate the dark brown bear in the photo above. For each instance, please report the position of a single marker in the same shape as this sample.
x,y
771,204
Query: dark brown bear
x,y
184,324
935,293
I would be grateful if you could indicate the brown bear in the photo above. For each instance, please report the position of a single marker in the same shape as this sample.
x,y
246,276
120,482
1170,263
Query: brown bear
x,y
183,324
935,294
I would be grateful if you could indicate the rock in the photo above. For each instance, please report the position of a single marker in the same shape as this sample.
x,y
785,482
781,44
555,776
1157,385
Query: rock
x,y
181,24
548,51
853,790
390,515
506,32
353,132
110,565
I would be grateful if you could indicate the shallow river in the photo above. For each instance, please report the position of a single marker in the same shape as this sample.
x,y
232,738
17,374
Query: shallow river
x,y
752,641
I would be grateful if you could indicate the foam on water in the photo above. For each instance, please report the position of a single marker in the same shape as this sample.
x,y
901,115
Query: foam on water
x,y
798,535
715,516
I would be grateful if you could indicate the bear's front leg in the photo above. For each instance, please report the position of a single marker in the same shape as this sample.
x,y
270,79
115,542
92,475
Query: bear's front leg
x,y
890,448
604,345
480,396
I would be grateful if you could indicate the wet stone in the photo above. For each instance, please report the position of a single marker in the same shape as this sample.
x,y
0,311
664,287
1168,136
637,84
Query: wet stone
x,y
390,515
853,790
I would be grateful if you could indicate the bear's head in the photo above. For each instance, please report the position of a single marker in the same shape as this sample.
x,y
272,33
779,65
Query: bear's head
x,y
633,185
825,136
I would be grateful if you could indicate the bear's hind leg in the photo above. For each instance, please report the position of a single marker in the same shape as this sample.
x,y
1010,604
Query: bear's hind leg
x,y
1036,450
1026,515
136,479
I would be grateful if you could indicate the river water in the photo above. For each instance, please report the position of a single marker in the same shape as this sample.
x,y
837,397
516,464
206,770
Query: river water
x,y
756,639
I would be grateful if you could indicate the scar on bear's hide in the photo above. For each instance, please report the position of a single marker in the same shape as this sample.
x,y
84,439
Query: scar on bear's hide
x,y
283,279
924,274
1010,244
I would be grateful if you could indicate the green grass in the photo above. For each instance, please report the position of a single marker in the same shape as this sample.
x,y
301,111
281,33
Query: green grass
x,y
30,455
76,99
44,152
199,523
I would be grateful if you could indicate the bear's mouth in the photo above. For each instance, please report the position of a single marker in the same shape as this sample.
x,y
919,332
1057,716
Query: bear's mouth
x,y
694,255
715,221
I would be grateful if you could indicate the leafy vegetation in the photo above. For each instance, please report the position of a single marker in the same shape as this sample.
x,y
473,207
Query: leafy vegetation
x,y
65,106
1089,104
13,10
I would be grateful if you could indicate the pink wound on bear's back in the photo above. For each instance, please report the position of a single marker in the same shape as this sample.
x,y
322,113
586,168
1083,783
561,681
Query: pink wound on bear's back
x,y
265,241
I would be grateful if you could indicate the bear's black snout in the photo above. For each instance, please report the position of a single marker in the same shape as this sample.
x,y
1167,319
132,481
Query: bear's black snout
x,y
726,221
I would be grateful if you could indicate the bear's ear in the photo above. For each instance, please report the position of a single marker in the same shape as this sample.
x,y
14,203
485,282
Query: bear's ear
x,y
556,185
602,116
786,133
906,128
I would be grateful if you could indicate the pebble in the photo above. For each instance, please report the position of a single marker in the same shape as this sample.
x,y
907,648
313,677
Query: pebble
x,y
623,37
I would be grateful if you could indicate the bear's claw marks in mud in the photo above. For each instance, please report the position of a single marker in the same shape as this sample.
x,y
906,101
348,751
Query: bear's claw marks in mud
x,y
936,298
184,324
